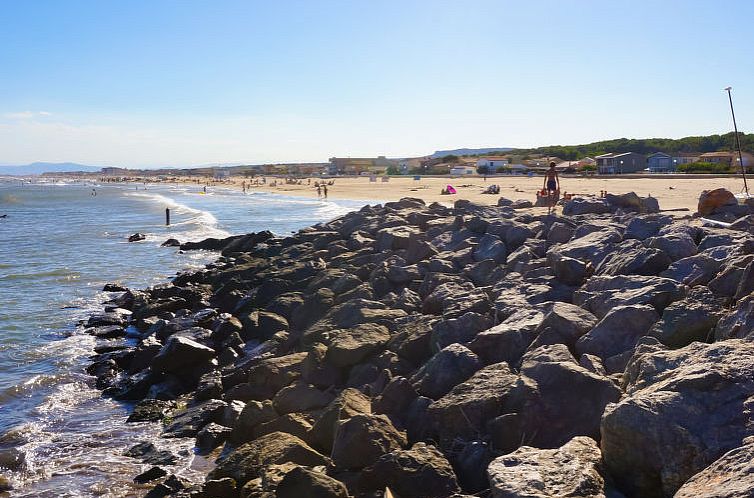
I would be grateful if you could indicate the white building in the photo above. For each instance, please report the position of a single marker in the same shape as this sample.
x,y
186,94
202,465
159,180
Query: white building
x,y
462,170
492,162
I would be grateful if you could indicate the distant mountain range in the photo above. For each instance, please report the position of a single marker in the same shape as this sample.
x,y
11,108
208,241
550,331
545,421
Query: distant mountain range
x,y
470,152
39,168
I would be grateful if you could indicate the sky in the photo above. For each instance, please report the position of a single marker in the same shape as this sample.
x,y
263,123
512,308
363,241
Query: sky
x,y
188,82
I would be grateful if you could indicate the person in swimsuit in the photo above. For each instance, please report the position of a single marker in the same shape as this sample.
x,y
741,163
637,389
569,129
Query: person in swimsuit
x,y
552,186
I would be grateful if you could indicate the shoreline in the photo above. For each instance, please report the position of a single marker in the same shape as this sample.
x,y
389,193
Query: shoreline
x,y
673,192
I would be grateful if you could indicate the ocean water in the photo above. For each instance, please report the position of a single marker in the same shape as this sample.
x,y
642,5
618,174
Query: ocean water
x,y
59,245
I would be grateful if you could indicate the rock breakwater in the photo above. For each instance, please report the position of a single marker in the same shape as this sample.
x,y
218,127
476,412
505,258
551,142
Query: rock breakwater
x,y
441,351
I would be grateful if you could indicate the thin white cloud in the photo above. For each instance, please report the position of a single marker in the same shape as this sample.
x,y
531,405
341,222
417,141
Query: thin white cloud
x,y
26,114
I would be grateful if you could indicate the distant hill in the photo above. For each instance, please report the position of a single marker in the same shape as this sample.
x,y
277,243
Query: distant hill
x,y
470,152
39,168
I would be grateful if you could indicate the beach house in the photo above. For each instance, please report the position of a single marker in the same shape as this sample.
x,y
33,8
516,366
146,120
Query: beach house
x,y
659,162
626,162
359,165
492,163
462,169
729,158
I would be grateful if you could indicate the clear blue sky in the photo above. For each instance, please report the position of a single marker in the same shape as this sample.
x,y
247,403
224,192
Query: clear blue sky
x,y
142,83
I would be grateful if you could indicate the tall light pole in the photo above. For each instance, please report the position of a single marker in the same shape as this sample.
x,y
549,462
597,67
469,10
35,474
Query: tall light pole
x,y
738,141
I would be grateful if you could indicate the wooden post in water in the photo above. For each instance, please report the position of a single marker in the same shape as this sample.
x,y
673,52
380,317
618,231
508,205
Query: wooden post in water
x,y
167,216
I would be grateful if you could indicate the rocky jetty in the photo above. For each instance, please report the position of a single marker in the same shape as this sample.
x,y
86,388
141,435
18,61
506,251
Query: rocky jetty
x,y
448,351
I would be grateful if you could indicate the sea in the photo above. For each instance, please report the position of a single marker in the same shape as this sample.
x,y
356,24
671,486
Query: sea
x,y
60,243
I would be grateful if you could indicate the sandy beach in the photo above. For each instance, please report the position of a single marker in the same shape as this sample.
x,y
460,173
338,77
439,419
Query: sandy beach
x,y
672,191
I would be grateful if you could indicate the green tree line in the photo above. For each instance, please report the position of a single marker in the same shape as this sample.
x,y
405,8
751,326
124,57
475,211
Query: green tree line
x,y
709,143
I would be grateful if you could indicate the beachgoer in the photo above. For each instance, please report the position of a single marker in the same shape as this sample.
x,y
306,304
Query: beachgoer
x,y
324,191
552,186
319,191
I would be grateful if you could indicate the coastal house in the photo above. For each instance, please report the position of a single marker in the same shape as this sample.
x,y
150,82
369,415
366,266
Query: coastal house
x,y
729,158
462,169
409,164
492,163
626,162
359,165
659,162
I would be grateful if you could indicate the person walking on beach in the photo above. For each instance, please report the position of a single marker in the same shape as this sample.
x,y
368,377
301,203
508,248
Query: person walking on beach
x,y
324,190
552,187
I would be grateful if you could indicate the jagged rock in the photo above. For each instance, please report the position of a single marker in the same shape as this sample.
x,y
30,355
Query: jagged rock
x,y
211,436
573,470
253,414
730,476
220,488
150,475
248,460
508,341
451,366
618,331
632,258
490,247
190,421
559,233
413,338
632,202
591,248
570,271
272,374
585,205
179,353
676,246
562,323
300,397
350,346
688,320
559,399
694,270
348,403
301,481
316,371
692,399
466,409
362,439
350,314
452,300
421,472
737,323
458,330
295,424
262,325
602,293
645,226
393,238
147,453
150,410
136,237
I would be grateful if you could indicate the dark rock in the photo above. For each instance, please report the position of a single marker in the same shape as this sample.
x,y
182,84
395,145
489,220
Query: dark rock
x,y
211,436
150,475
645,226
110,287
632,258
451,366
676,246
730,476
350,346
189,422
601,294
253,414
466,409
570,271
458,330
688,320
362,439
171,243
452,300
692,399
296,424
348,403
585,205
220,488
421,472
737,323
508,341
694,270
632,202
150,410
300,397
302,481
618,331
179,353
136,237
569,471
562,323
248,460
490,247
272,374
147,453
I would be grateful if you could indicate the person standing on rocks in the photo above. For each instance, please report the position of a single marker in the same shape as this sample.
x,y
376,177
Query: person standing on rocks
x,y
552,186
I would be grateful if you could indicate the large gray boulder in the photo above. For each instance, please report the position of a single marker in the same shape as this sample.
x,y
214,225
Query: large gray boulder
x,y
452,300
350,346
632,258
249,460
737,323
420,472
591,248
362,439
731,476
618,331
573,470
693,400
600,294
675,245
694,270
508,340
448,368
490,247
179,353
688,320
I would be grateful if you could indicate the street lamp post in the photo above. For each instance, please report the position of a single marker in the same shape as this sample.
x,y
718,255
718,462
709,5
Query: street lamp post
x,y
738,141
